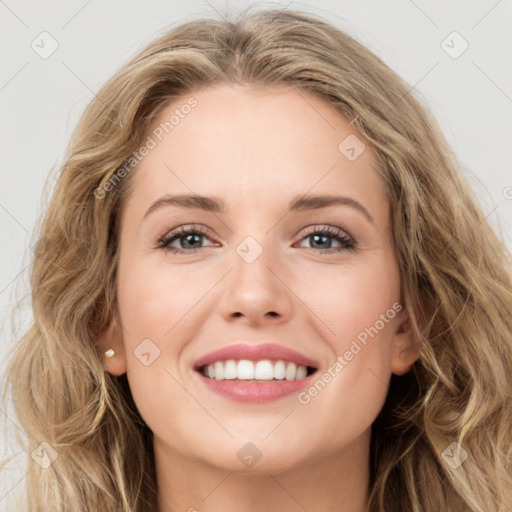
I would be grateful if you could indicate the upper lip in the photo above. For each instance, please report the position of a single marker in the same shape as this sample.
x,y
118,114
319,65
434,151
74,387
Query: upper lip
x,y
255,353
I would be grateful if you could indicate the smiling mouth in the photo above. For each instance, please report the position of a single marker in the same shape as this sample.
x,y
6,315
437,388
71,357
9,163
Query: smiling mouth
x,y
264,370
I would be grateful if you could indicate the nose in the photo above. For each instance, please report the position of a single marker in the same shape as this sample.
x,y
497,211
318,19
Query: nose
x,y
258,291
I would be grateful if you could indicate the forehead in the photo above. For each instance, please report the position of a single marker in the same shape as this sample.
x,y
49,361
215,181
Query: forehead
x,y
263,144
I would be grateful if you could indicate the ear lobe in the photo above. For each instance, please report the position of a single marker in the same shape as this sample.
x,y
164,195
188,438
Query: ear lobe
x,y
112,338
406,348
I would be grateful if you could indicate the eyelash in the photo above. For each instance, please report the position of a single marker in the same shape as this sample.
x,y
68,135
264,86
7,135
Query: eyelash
x,y
349,243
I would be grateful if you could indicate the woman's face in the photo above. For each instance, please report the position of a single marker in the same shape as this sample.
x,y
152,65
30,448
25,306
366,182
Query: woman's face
x,y
257,272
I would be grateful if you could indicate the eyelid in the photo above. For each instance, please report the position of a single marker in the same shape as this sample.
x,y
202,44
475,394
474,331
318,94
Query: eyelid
x,y
207,232
326,228
335,232
182,231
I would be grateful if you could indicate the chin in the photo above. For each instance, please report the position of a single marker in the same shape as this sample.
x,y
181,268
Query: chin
x,y
254,457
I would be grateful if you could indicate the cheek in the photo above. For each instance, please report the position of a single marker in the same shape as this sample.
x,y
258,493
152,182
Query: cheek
x,y
161,310
154,313
347,300
358,307
155,299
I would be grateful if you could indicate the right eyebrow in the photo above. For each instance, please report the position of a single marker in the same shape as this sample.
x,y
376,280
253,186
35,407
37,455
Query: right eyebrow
x,y
299,203
206,203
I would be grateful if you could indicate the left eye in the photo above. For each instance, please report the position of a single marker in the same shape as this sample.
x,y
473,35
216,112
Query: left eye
x,y
320,235
190,239
190,235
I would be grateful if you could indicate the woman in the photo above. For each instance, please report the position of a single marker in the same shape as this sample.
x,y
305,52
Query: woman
x,y
258,370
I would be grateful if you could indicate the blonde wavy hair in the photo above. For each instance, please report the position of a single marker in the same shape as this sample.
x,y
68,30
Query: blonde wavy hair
x,y
455,275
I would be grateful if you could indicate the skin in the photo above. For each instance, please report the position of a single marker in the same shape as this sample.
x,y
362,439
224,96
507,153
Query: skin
x,y
256,149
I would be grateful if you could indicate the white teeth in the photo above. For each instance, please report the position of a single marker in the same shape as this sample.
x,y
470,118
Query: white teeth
x,y
291,371
219,370
245,369
264,370
302,371
254,370
279,370
230,371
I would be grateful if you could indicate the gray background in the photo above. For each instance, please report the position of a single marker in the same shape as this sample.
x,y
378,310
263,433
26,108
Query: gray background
x,y
42,98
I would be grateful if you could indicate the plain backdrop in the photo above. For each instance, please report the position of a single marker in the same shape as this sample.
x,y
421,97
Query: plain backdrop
x,y
456,55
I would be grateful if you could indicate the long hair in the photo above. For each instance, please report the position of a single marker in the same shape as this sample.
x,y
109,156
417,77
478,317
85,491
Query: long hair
x,y
455,279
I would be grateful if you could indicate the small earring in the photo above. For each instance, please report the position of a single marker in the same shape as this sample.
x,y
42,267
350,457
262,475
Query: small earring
x,y
109,353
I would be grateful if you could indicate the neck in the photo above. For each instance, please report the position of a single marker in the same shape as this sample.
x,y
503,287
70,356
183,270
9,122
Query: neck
x,y
336,481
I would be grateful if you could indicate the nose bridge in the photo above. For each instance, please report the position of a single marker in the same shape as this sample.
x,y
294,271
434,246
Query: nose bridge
x,y
256,255
255,286
257,242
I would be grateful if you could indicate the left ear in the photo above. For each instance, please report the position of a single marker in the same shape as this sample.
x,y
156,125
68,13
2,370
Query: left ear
x,y
112,338
406,346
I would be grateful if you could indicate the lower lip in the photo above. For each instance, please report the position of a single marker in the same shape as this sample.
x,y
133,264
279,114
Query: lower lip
x,y
255,392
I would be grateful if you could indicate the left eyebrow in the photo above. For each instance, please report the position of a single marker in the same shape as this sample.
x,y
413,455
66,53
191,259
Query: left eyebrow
x,y
216,205
303,203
